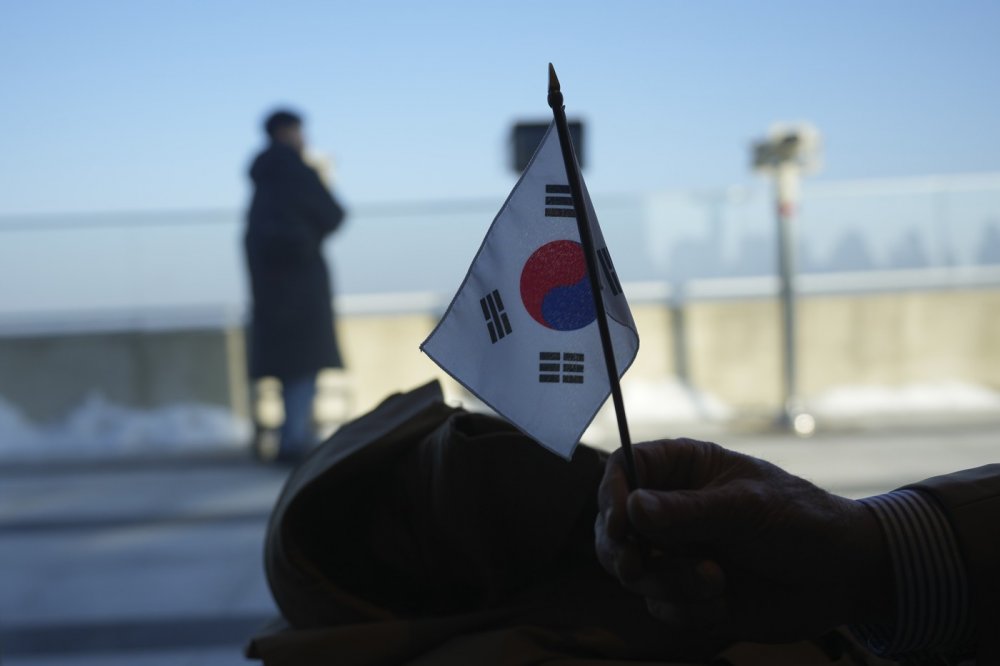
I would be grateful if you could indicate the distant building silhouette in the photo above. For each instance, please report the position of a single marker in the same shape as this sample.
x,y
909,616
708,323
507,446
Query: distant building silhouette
x,y
908,252
701,256
806,261
756,256
693,258
989,246
851,253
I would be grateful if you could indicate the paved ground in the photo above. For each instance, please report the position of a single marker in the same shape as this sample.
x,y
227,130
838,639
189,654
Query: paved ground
x,y
141,563
148,563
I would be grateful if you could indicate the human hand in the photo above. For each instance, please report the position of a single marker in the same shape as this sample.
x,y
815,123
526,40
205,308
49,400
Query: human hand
x,y
322,164
737,548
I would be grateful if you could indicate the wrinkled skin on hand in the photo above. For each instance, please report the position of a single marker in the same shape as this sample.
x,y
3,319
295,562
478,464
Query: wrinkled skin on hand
x,y
736,548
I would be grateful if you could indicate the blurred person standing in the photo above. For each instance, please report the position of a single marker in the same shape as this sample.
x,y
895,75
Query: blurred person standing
x,y
292,334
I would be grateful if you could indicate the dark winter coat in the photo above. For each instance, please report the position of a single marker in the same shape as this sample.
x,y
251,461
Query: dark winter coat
x,y
291,330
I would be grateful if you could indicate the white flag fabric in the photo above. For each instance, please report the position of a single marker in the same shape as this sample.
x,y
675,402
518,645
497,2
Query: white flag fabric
x,y
521,333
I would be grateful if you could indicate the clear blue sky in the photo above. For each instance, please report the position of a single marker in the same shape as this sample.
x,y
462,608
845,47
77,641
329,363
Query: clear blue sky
x,y
112,105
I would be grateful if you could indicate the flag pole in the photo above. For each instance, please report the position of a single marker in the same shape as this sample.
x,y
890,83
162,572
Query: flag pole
x,y
589,253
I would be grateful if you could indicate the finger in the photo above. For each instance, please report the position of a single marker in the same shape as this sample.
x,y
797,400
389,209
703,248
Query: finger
x,y
665,611
674,518
661,465
620,558
606,548
707,611
709,617
677,463
710,580
629,563
612,495
686,580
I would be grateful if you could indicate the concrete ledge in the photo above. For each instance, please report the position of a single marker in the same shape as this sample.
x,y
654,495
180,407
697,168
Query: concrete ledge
x,y
725,346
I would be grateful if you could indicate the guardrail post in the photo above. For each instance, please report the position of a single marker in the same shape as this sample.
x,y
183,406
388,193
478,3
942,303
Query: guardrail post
x,y
678,334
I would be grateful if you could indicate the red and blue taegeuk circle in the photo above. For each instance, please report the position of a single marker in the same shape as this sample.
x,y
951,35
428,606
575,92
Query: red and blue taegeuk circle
x,y
555,289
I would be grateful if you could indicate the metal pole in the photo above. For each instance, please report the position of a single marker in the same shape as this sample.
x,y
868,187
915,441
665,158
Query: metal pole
x,y
678,330
786,185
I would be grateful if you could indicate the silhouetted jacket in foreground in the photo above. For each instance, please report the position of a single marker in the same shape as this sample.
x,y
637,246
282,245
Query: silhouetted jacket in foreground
x,y
423,534
292,332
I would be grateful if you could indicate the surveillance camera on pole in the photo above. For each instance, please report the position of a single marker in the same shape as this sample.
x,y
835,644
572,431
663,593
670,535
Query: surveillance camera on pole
x,y
789,151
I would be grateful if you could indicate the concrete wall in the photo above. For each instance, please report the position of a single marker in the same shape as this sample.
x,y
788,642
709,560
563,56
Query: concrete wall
x,y
731,348
46,376
873,339
383,356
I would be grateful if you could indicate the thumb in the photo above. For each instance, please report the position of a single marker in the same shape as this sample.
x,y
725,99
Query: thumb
x,y
673,516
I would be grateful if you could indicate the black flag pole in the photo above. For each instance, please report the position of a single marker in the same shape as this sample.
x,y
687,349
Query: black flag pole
x,y
589,253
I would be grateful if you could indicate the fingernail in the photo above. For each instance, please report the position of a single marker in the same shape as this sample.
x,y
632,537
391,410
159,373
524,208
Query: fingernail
x,y
648,502
707,580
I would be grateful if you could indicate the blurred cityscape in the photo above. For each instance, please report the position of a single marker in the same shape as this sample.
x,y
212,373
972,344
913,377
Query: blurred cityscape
x,y
125,264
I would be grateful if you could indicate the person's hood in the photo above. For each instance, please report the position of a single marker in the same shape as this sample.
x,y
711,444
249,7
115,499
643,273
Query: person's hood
x,y
276,158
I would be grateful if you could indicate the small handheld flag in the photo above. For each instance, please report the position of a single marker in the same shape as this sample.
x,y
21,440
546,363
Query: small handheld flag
x,y
540,325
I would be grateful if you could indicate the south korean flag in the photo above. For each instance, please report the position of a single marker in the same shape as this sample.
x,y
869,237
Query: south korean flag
x,y
521,333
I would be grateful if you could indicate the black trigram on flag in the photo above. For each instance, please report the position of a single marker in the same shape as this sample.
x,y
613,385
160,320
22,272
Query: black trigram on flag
x,y
610,275
496,319
559,201
554,367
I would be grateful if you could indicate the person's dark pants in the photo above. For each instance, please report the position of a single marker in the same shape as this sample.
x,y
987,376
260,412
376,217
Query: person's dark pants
x,y
298,435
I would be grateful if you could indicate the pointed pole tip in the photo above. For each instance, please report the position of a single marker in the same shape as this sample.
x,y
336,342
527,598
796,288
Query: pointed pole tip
x,y
553,79
555,96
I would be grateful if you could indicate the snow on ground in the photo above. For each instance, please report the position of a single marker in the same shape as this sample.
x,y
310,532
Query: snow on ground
x,y
653,406
931,397
671,400
656,408
99,427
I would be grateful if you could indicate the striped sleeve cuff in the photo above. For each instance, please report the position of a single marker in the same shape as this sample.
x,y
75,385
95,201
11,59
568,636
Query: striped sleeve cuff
x,y
933,611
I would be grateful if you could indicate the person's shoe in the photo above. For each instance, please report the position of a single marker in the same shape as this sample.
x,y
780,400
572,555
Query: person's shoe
x,y
266,444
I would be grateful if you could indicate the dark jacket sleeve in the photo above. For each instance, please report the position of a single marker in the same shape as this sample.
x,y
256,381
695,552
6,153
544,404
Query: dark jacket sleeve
x,y
318,203
971,500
